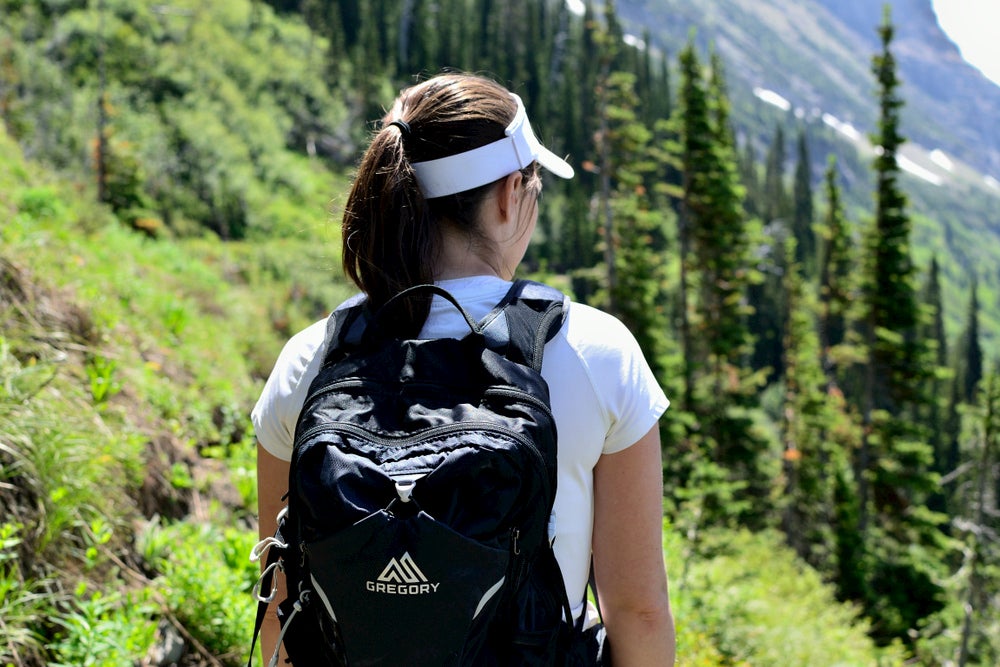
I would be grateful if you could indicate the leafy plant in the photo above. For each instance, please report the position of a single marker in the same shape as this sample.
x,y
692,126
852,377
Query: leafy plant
x,y
759,605
22,604
41,202
104,629
206,577
180,476
101,372
176,318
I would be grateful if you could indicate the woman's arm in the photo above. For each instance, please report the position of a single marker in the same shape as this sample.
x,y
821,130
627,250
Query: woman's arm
x,y
272,482
628,555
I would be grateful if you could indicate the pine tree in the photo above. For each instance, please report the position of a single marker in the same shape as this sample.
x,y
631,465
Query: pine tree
x,y
767,302
638,231
837,290
488,37
934,331
351,19
337,65
662,101
933,417
715,242
889,290
721,235
589,70
893,466
802,210
750,177
836,284
766,297
812,460
969,369
369,51
980,527
776,206
694,148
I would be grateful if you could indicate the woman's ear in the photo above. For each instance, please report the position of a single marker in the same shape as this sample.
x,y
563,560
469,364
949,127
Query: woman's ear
x,y
509,196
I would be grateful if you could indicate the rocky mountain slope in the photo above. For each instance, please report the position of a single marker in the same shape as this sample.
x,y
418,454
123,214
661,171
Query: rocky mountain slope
x,y
816,54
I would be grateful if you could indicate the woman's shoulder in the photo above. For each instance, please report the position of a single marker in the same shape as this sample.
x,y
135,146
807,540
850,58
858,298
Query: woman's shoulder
x,y
300,351
595,331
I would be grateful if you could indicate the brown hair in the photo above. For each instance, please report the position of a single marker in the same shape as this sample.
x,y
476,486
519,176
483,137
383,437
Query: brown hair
x,y
391,234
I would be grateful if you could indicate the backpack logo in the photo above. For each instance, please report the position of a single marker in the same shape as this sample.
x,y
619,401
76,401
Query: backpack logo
x,y
402,577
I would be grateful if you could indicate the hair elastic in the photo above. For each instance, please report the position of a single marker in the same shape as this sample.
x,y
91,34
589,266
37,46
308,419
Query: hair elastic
x,y
404,127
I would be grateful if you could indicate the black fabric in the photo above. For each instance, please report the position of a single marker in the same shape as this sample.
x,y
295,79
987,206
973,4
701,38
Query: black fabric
x,y
420,490
588,648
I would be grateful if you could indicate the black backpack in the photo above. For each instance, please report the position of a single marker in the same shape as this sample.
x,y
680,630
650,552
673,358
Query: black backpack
x,y
420,493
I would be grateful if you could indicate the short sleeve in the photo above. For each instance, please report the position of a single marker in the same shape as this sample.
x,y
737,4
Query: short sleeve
x,y
284,393
627,389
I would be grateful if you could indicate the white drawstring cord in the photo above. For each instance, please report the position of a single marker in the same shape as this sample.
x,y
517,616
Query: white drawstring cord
x,y
269,570
258,552
296,608
262,547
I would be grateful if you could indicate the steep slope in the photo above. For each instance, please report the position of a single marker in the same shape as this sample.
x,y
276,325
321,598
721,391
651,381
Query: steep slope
x,y
952,106
816,54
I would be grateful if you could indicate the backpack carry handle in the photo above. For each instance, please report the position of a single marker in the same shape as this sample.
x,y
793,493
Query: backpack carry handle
x,y
541,311
380,314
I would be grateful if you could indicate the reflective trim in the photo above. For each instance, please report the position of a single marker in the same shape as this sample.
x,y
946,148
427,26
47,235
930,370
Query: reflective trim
x,y
487,595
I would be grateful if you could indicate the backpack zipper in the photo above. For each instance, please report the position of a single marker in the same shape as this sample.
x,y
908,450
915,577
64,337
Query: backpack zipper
x,y
516,394
522,396
397,441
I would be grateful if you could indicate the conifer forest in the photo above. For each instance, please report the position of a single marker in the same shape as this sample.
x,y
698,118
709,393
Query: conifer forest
x,y
171,175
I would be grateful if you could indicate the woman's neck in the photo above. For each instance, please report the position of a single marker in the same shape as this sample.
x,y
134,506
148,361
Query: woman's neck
x,y
461,257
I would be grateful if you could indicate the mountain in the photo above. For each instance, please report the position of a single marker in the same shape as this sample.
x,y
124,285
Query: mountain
x,y
816,54
807,64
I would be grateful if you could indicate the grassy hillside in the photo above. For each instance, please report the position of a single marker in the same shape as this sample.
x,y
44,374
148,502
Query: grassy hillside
x,y
126,463
210,110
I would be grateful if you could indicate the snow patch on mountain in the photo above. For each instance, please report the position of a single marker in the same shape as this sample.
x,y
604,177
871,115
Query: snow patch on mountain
x,y
911,167
773,98
843,127
939,158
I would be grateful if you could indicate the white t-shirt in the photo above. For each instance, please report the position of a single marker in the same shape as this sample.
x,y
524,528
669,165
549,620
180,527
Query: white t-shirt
x,y
604,398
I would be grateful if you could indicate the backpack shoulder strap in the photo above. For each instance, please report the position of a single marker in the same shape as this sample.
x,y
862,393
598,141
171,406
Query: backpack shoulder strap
x,y
344,329
528,317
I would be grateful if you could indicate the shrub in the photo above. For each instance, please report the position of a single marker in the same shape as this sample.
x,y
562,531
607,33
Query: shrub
x,y
759,605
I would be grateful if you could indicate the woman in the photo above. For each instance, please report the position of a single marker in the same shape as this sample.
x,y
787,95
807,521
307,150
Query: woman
x,y
447,193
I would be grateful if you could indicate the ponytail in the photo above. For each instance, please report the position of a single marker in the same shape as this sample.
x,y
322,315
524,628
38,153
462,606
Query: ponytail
x,y
389,242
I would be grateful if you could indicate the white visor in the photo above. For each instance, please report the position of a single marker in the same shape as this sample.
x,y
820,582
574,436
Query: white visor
x,y
479,166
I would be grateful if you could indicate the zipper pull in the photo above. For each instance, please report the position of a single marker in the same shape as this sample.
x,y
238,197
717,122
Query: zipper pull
x,y
514,535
